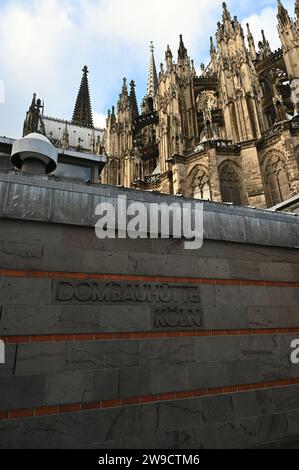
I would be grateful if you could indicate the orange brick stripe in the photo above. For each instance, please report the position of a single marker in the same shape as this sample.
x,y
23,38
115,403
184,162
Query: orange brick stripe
x,y
121,277
81,407
141,335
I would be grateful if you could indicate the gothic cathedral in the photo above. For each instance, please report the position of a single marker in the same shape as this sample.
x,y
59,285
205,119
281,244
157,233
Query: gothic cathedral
x,y
230,134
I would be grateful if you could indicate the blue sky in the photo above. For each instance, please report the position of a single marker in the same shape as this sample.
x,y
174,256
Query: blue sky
x,y
45,43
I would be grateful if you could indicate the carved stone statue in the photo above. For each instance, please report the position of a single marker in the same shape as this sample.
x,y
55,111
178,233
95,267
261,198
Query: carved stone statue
x,y
32,117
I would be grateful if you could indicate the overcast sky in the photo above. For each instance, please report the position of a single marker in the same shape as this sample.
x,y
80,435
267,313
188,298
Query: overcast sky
x,y
45,43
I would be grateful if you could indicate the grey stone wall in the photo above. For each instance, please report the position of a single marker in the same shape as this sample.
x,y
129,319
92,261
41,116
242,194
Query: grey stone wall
x,y
41,199
244,420
234,350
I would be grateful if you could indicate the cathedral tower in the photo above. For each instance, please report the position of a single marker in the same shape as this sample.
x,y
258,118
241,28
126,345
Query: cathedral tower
x,y
289,36
82,113
239,85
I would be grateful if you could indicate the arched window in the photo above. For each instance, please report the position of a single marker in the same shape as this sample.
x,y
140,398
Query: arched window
x,y
200,185
150,104
230,184
278,187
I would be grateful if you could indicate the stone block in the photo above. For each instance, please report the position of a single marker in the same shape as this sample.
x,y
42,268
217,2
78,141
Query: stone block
x,y
40,359
134,382
120,354
106,385
68,388
21,392
286,399
260,346
85,356
253,404
8,368
221,349
171,416
293,423
272,427
283,297
218,409
254,295
271,271
169,378
206,375
168,351
25,291
225,317
244,269
236,434
243,372
228,295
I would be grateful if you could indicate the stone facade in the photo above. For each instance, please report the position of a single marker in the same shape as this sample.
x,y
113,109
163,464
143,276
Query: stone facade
x,y
96,359
230,134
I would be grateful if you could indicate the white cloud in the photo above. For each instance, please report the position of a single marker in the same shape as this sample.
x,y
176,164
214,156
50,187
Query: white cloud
x,y
45,43
99,119
267,20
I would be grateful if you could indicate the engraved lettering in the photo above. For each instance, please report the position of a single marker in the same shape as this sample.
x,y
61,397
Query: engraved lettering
x,y
129,295
165,295
116,294
64,292
122,292
99,294
83,292
141,295
177,318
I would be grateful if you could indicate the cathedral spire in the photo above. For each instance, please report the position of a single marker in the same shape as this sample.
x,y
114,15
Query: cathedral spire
x,y
82,113
213,55
283,14
124,89
133,99
193,68
226,13
168,58
227,23
265,41
182,49
212,46
237,25
152,84
251,43
264,46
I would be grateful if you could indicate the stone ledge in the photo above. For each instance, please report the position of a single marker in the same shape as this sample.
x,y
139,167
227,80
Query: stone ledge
x,y
46,200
